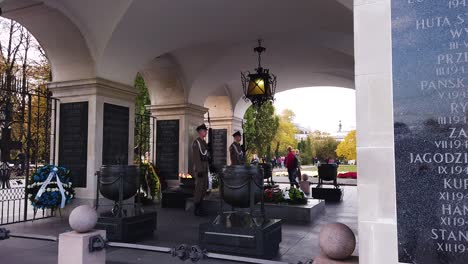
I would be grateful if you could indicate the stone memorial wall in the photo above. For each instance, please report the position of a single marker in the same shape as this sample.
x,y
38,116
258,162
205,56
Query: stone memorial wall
x,y
430,95
167,148
73,140
219,146
115,135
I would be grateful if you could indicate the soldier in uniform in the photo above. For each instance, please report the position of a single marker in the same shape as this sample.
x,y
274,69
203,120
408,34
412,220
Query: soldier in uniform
x,y
235,150
200,156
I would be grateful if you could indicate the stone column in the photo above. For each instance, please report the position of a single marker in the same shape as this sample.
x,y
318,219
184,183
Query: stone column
x,y
376,194
189,117
94,95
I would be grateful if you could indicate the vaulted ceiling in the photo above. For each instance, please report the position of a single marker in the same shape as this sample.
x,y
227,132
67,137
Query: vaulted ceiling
x,y
310,42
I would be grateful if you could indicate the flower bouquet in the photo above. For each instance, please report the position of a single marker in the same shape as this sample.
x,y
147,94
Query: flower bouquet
x,y
273,195
296,196
50,188
149,181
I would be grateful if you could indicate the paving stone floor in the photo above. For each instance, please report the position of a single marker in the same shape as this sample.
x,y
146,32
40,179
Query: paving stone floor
x,y
175,226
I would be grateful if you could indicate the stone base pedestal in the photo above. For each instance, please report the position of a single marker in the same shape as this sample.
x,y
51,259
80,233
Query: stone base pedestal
x,y
260,242
73,248
328,194
289,213
175,198
322,259
128,228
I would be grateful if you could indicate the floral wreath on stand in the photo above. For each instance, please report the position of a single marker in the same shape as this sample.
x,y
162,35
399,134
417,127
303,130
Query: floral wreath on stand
x,y
50,188
149,180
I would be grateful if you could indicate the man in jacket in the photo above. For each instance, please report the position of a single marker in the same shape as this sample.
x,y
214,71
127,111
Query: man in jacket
x,y
291,165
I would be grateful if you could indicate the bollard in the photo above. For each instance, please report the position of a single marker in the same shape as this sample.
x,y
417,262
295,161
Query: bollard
x,y
74,248
83,245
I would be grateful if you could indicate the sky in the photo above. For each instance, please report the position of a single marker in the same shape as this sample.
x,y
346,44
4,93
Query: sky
x,y
320,108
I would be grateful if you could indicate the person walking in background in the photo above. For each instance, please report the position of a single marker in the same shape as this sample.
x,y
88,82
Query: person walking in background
x,y
291,164
255,160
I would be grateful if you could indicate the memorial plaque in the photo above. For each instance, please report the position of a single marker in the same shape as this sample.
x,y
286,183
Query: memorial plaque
x,y
167,148
219,146
73,140
115,135
430,99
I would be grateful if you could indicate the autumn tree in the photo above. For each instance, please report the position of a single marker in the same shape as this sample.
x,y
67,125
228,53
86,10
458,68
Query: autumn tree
x,y
285,135
24,70
347,148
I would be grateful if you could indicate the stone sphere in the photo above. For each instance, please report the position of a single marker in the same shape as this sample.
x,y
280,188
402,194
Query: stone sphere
x,y
337,241
83,219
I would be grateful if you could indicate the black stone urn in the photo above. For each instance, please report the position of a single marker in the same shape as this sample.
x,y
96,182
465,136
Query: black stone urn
x,y
240,183
118,182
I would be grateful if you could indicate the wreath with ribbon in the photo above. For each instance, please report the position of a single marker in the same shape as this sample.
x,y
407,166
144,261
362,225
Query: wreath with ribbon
x,y
149,180
50,188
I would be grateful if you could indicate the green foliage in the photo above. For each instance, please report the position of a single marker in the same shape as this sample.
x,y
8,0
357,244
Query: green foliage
x,y
260,128
142,119
323,145
142,99
306,150
285,134
347,148
296,196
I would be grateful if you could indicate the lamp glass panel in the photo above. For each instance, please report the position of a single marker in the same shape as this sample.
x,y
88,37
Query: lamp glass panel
x,y
256,87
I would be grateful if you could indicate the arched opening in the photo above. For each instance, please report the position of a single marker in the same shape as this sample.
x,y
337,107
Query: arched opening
x,y
319,123
27,116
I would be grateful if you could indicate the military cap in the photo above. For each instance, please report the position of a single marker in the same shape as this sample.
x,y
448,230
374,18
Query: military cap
x,y
202,127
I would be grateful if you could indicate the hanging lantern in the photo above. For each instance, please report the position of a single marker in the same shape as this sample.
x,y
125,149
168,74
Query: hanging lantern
x,y
259,87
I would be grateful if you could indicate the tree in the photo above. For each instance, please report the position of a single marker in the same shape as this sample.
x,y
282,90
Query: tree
x,y
307,153
260,128
323,145
142,119
347,148
25,70
285,134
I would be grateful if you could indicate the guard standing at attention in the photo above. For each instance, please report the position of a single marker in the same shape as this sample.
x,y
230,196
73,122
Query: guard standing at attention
x,y
200,155
235,150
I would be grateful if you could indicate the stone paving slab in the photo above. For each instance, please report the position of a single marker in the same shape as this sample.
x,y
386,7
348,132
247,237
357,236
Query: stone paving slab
x,y
175,226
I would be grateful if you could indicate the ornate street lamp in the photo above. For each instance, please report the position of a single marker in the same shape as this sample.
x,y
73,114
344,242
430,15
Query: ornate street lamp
x,y
259,87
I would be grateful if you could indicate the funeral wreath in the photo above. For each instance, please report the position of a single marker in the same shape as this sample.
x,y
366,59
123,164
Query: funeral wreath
x,y
50,188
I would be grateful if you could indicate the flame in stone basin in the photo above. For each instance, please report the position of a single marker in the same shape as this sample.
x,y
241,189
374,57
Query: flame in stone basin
x,y
185,176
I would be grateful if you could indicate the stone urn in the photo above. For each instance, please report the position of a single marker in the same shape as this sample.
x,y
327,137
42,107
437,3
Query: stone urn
x,y
116,178
238,183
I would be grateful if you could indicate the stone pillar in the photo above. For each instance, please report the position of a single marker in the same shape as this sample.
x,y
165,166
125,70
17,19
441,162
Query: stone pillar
x,y
82,104
189,116
74,248
231,124
376,194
